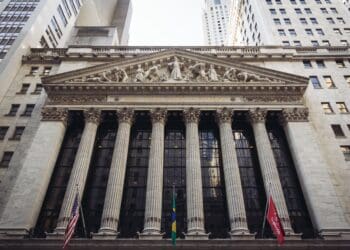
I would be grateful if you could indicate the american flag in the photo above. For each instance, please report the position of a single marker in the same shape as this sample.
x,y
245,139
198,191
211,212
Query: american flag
x,y
72,222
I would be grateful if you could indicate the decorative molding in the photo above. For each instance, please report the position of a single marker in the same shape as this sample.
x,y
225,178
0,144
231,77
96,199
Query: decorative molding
x,y
294,115
192,115
224,115
158,115
282,98
76,99
92,115
125,115
54,114
257,115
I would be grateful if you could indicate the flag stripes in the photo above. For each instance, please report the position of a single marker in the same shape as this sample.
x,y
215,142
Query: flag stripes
x,y
72,222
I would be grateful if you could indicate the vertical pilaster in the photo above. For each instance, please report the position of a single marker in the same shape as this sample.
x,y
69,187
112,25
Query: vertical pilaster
x,y
194,192
268,166
80,168
153,210
234,192
114,193
26,198
320,196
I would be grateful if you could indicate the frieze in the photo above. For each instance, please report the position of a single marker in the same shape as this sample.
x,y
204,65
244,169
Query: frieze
x,y
191,115
158,115
224,115
76,99
54,114
274,98
294,115
257,115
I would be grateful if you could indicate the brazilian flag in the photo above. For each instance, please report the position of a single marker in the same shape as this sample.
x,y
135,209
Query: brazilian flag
x,y
173,219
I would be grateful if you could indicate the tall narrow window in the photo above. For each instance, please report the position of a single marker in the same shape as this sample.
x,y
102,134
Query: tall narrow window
x,y
315,82
134,195
13,110
252,183
51,207
29,110
174,174
6,159
342,107
214,196
298,213
24,89
17,134
3,131
95,189
327,108
329,82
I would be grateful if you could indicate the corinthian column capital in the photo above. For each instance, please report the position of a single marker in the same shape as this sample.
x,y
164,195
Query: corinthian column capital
x,y
159,115
54,114
92,115
295,115
257,115
191,115
224,115
125,115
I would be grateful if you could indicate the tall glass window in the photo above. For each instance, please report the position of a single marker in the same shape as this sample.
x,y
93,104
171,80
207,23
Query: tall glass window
x,y
96,185
134,195
214,196
51,207
174,174
297,210
252,183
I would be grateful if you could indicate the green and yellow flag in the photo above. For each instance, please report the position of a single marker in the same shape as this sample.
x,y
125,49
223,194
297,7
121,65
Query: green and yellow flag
x,y
173,219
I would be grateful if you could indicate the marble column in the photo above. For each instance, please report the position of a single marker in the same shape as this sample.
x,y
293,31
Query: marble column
x,y
153,209
320,195
234,192
28,194
268,166
114,193
194,192
80,169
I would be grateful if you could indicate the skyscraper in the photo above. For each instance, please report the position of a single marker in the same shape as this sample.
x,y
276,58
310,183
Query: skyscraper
x,y
216,18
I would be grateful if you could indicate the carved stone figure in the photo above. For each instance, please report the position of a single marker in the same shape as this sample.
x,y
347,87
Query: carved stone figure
x,y
176,69
94,78
230,74
140,74
153,74
198,72
115,75
213,76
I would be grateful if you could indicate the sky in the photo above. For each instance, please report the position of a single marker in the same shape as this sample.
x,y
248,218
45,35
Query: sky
x,y
166,23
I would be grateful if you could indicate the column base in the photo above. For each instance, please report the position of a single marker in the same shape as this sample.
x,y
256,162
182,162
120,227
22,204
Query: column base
x,y
335,234
58,234
292,236
150,235
105,234
241,235
13,233
197,235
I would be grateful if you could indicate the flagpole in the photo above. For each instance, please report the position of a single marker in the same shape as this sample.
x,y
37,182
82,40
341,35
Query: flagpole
x,y
267,205
82,213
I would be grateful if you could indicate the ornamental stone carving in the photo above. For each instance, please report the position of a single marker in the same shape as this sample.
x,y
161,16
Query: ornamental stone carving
x,y
54,114
295,115
175,69
224,115
257,115
92,115
159,115
192,115
198,72
125,115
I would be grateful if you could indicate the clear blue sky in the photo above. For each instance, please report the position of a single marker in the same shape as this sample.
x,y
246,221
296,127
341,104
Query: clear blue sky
x,y
166,22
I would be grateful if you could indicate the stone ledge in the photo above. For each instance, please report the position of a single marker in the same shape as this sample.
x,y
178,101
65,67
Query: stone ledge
x,y
134,244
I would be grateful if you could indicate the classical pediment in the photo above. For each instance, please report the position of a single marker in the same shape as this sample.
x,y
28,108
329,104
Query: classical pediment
x,y
174,66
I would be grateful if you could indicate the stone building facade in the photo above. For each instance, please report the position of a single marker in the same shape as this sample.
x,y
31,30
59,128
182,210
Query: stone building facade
x,y
226,126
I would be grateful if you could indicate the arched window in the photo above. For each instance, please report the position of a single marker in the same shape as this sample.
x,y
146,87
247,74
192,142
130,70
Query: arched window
x,y
214,196
252,183
96,184
51,207
134,195
174,173
298,214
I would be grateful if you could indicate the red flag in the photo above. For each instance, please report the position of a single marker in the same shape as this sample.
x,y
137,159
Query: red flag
x,y
275,222
72,222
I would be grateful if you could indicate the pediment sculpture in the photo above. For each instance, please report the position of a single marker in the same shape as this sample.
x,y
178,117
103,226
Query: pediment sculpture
x,y
173,70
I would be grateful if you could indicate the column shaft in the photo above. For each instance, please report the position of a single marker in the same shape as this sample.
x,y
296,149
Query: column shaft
x,y
268,167
195,211
234,192
80,169
114,193
153,210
